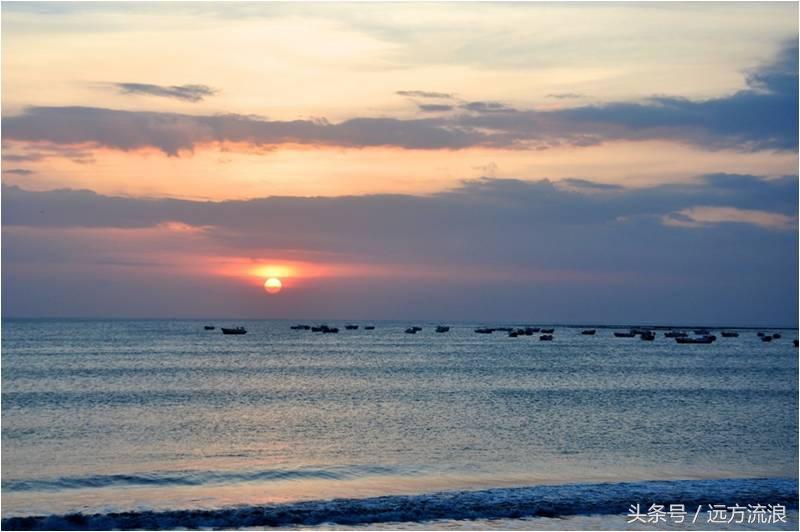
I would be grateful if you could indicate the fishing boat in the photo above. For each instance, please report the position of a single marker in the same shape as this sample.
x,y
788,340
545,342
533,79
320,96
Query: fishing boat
x,y
369,327
675,334
648,336
589,332
730,334
548,331
546,338
351,327
300,327
700,340
442,329
234,330
330,330
702,332
766,338
484,330
411,330
209,327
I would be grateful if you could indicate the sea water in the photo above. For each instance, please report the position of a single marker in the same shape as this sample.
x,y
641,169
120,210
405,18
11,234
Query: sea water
x,y
158,424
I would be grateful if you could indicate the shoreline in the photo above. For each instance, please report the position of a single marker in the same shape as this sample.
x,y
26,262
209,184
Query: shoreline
x,y
544,501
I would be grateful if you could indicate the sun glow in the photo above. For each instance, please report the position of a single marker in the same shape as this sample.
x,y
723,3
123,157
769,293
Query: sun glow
x,y
272,270
273,285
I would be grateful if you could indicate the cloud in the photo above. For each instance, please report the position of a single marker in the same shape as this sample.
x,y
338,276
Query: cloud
x,y
189,93
426,94
583,184
487,107
45,150
18,171
514,245
536,203
434,107
762,117
173,132
702,216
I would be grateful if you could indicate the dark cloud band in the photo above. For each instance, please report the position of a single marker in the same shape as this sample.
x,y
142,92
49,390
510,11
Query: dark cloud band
x,y
762,117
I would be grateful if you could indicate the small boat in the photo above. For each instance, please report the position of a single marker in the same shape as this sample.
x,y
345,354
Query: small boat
x,y
411,330
700,340
513,334
636,331
300,327
369,327
484,330
209,327
318,328
624,334
766,338
442,329
648,336
589,332
730,334
330,330
796,343
760,334
776,336
233,330
351,327
675,334
504,329
702,332
547,331
530,330
546,338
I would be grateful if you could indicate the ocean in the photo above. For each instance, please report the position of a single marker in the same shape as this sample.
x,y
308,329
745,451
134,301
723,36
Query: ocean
x,y
162,424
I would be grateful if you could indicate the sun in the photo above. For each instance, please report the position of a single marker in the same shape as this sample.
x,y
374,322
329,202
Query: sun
x,y
273,285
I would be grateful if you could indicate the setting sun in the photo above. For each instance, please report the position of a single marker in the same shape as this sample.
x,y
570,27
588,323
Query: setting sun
x,y
273,285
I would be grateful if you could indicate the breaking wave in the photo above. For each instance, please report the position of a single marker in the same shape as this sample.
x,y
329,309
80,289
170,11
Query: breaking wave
x,y
500,503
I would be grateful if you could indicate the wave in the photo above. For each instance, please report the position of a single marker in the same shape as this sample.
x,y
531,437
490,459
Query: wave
x,y
200,478
500,503
572,395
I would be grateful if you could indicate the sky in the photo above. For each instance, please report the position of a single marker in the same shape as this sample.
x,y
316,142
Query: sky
x,y
534,162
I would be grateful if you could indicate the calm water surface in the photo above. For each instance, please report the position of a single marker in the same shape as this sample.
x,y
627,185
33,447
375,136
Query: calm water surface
x,y
158,416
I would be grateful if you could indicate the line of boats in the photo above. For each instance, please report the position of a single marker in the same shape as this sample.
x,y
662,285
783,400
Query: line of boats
x,y
702,336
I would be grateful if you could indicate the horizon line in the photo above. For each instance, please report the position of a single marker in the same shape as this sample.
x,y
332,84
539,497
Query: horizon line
x,y
406,320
